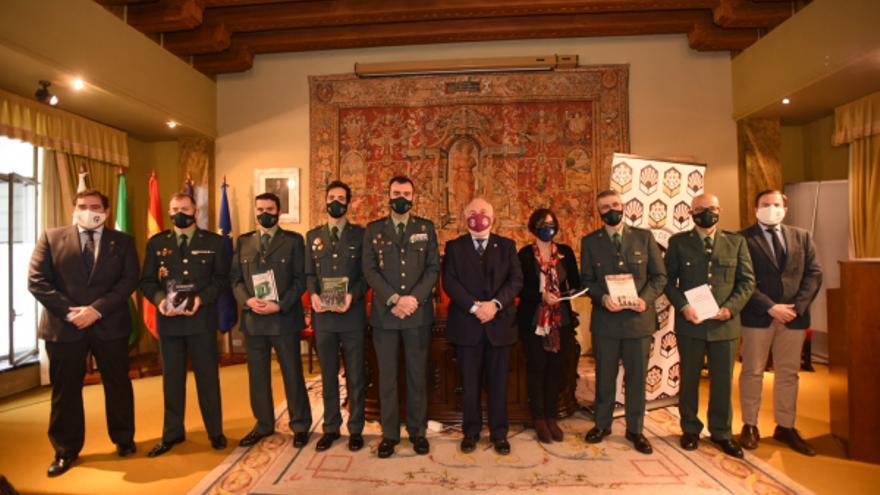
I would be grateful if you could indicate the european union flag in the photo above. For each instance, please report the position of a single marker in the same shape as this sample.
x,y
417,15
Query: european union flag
x,y
226,303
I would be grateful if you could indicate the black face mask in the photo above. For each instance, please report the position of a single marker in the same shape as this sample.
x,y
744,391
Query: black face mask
x,y
706,218
612,217
336,209
181,220
400,205
267,220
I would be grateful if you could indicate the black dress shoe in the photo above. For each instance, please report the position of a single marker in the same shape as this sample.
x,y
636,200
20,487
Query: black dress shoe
x,y
163,446
469,443
730,447
386,448
300,439
326,441
793,439
420,445
124,449
253,438
640,443
596,434
502,446
355,442
690,441
749,437
218,442
60,466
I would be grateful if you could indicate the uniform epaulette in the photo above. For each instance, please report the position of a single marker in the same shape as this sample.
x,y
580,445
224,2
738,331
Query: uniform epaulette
x,y
160,234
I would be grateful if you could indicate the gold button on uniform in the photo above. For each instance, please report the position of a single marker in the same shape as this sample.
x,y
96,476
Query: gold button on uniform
x,y
185,260
709,275
186,272
403,274
402,287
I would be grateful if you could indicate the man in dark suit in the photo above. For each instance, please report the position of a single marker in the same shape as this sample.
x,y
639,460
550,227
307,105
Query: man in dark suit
x,y
621,329
84,275
788,278
197,260
334,251
401,264
482,276
272,318
719,259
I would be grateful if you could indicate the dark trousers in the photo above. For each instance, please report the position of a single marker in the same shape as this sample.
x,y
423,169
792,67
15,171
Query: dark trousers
x,y
416,344
202,350
259,361
721,355
67,369
543,371
634,353
352,344
490,363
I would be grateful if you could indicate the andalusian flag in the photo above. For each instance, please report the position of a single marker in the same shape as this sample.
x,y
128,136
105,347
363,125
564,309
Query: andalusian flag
x,y
122,225
154,226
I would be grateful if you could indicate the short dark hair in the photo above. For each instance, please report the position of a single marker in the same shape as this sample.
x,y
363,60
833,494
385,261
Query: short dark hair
x,y
93,192
341,185
182,195
538,216
267,196
401,179
606,193
765,192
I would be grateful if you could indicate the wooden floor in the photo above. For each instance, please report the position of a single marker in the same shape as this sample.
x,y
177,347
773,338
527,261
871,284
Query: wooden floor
x,y
26,451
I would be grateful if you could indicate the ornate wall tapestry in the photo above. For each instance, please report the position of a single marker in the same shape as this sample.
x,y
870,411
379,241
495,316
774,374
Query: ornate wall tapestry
x,y
521,140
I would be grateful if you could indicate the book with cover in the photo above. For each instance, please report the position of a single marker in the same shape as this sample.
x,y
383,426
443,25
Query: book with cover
x,y
622,290
333,291
703,301
179,296
265,288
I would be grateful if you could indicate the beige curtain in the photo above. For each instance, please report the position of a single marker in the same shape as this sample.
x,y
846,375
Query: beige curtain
x,y
858,125
60,181
48,127
196,157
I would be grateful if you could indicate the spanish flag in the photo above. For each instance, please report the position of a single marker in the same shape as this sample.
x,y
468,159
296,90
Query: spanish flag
x,y
154,226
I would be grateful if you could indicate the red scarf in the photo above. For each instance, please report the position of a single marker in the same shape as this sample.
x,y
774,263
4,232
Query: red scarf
x,y
549,318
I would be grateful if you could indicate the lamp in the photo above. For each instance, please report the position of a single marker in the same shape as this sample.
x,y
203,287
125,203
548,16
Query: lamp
x,y
44,95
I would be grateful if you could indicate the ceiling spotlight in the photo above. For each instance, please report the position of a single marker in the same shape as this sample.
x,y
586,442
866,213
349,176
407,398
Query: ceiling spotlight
x,y
786,101
171,124
44,95
78,84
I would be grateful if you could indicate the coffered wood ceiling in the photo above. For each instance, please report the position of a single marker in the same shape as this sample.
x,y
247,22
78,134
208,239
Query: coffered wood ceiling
x,y
222,36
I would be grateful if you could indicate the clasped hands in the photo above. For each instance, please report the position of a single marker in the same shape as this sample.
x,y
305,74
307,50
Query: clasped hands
x,y
690,314
318,306
405,306
261,307
197,303
782,313
486,311
82,316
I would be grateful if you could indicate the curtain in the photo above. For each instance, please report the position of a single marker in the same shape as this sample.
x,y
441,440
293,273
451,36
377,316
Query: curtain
x,y
48,127
195,162
858,125
61,178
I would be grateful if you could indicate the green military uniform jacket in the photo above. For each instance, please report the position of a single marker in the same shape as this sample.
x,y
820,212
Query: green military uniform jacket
x,y
640,256
284,256
728,272
324,259
407,267
206,266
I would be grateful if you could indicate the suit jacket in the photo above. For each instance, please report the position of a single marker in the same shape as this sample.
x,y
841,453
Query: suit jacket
x,y
206,266
323,259
640,256
407,268
58,280
795,283
728,273
469,277
530,295
284,256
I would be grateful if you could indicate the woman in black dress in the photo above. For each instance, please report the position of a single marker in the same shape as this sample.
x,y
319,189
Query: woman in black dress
x,y
546,325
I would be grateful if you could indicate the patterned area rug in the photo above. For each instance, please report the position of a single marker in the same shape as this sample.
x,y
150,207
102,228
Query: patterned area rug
x,y
569,467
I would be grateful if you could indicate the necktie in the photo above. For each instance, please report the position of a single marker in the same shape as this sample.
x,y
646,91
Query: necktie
x,y
616,240
264,242
88,251
777,247
334,235
708,242
184,247
400,228
480,248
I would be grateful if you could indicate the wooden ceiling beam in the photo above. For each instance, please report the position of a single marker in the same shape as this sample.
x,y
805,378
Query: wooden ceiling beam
x,y
706,36
748,14
166,15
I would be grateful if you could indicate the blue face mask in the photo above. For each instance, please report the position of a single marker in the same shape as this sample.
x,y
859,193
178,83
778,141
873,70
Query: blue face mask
x,y
546,233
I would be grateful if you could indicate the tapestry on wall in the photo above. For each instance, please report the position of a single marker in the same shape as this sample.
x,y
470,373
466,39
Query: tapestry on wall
x,y
521,140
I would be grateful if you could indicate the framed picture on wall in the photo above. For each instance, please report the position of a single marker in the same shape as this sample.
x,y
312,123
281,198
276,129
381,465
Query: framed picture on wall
x,y
284,183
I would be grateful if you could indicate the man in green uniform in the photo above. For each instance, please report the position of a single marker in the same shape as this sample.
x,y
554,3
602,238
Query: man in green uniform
x,y
333,258
720,260
621,329
402,263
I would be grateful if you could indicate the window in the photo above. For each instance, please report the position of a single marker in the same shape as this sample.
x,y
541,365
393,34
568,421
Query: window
x,y
19,224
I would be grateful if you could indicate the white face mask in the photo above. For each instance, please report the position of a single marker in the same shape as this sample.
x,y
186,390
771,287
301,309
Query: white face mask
x,y
770,215
88,219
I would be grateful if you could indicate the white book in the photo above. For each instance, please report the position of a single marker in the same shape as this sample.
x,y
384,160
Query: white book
x,y
701,299
622,290
265,288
